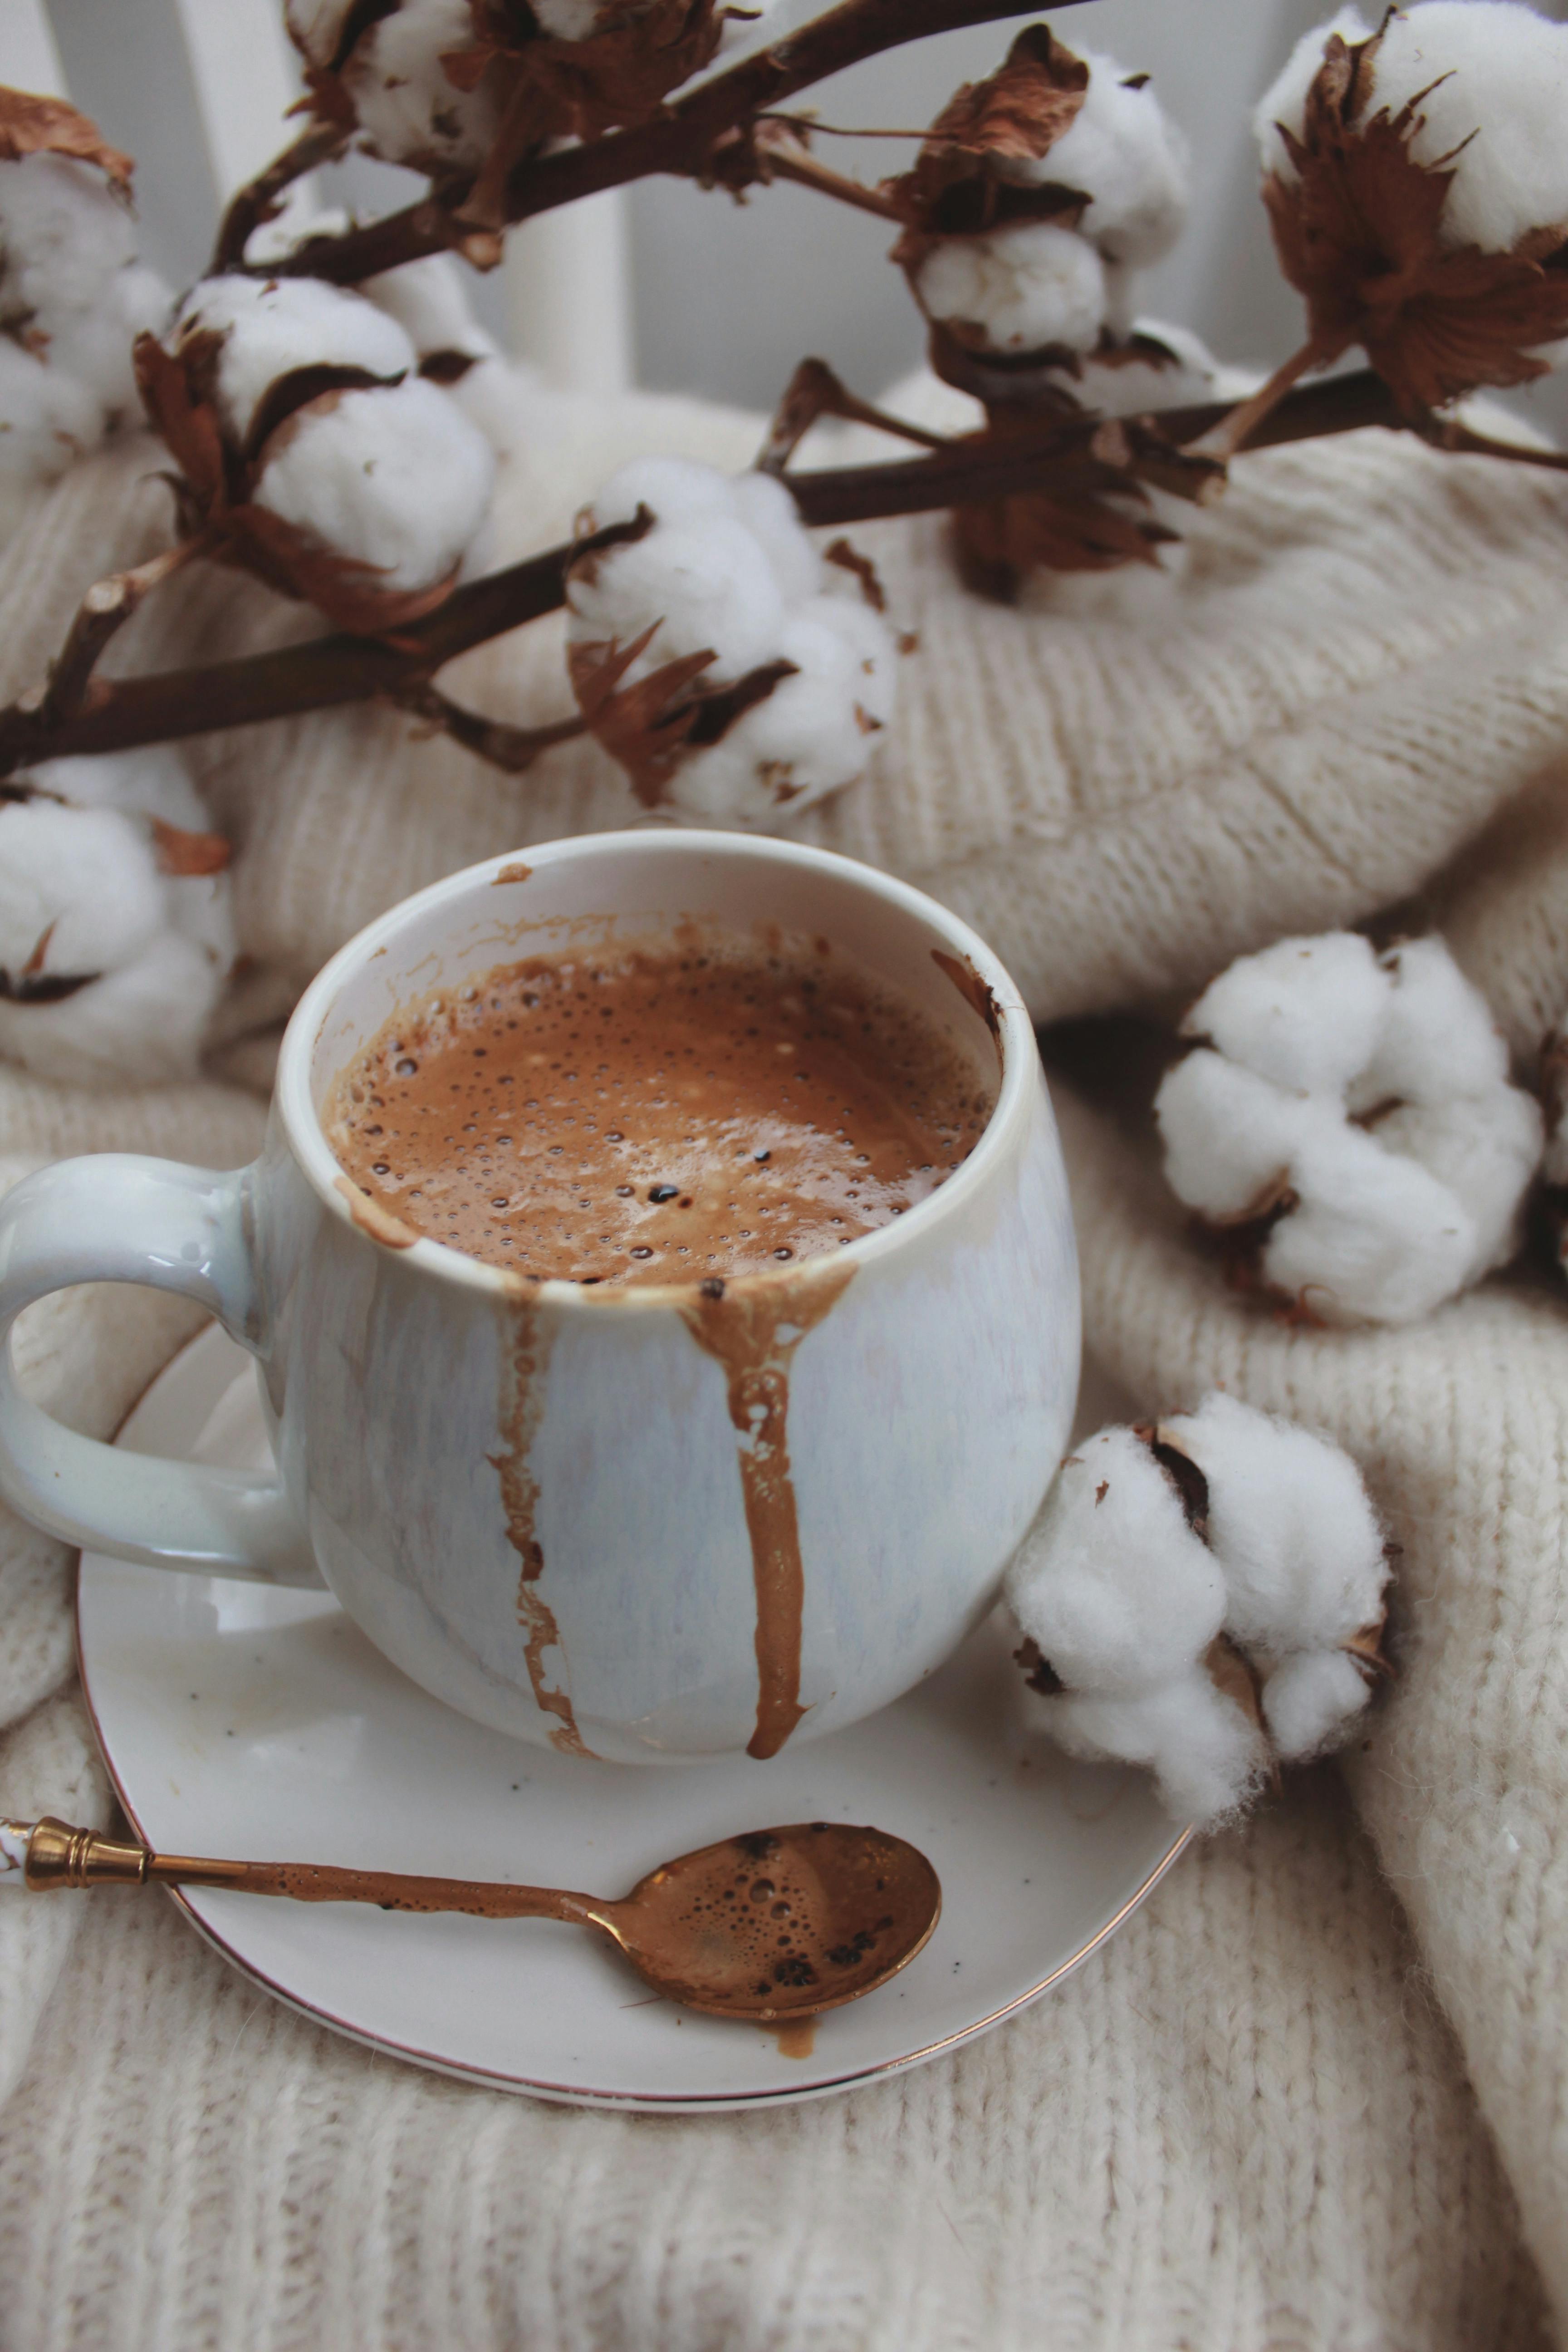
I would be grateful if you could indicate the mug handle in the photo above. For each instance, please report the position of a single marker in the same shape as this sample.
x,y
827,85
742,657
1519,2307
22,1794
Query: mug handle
x,y
118,1217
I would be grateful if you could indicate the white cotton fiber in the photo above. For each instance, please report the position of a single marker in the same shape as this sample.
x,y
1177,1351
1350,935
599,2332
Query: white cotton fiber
x,y
1374,1238
1438,1038
48,418
727,568
1312,1701
408,110
1492,80
1285,100
1141,385
1207,1758
1290,1524
397,478
85,896
63,235
1230,1137
430,303
1306,1012
1484,1148
1121,151
1021,289
271,327
1111,1583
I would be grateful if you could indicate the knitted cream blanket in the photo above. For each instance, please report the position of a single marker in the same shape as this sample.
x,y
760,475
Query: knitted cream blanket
x,y
1315,2093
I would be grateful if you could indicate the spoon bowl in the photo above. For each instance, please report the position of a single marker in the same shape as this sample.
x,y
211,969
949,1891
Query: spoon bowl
x,y
775,1925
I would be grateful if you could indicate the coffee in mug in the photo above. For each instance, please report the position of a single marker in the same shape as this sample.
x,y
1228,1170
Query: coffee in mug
x,y
712,1106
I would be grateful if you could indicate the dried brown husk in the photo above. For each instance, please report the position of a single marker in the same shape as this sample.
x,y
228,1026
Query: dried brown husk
x,y
957,186
653,727
215,489
31,125
1358,236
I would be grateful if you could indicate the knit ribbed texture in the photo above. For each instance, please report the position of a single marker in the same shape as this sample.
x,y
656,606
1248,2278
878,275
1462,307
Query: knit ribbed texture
x,y
1246,2122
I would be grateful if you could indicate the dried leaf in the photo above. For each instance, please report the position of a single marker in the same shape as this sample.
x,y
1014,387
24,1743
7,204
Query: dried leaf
x,y
849,559
30,125
653,727
351,594
186,420
180,852
955,187
1038,1671
553,89
1366,1648
1358,236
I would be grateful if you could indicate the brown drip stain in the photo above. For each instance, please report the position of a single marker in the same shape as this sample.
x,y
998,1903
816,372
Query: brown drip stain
x,y
516,872
975,990
523,1409
752,1331
797,2038
372,1219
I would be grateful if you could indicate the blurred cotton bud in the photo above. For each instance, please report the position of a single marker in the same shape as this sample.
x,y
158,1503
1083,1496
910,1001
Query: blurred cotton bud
x,y
313,451
465,90
1349,1121
73,295
1203,1596
735,674
1030,184
1416,181
116,930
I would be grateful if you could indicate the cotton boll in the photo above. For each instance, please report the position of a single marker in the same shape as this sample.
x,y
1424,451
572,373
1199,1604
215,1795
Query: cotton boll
x,y
1438,1037
428,301
270,327
94,346
1306,1012
1290,1524
79,891
1207,1757
63,234
1123,152
772,516
1020,288
1110,1582
316,27
152,781
1230,1137
1285,100
1493,79
395,478
142,1023
46,417
673,489
408,110
812,734
1485,1150
1310,1702
1374,1238
705,584
1141,385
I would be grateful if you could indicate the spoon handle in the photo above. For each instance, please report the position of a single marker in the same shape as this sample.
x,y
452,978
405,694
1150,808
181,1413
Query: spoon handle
x,y
49,1853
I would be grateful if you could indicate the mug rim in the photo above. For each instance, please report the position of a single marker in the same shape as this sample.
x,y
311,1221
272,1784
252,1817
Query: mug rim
x,y
1017,1049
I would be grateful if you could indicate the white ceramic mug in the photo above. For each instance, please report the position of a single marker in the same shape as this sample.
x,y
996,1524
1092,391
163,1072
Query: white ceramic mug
x,y
649,1523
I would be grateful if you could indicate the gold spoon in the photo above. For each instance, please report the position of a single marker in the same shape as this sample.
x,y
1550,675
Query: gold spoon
x,y
776,1924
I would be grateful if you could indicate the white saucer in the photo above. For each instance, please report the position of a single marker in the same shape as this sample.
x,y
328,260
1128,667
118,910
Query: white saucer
x,y
239,1721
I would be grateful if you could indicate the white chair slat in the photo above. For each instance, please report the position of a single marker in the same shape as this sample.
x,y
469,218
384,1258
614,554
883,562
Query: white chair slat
x,y
29,59
567,280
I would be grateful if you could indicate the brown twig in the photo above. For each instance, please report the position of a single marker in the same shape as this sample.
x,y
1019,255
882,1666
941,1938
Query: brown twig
x,y
684,139
330,671
1244,422
514,749
258,201
815,391
783,157
101,615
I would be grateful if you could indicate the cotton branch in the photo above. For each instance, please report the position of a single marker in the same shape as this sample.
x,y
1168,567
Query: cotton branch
x,y
328,672
258,201
706,135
